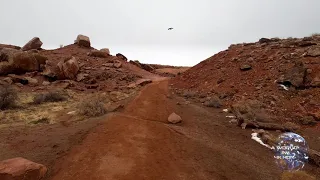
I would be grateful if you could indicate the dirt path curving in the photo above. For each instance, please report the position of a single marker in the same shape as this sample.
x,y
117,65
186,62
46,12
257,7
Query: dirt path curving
x,y
139,144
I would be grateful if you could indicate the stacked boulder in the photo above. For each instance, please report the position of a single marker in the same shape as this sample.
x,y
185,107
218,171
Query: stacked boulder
x,y
121,56
83,41
103,53
65,69
34,43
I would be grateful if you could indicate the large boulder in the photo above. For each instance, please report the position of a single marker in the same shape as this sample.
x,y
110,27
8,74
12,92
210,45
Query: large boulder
x,y
34,43
70,68
136,63
101,53
147,67
7,53
65,69
25,62
106,50
40,58
17,62
20,168
83,41
53,71
295,76
264,40
121,56
313,51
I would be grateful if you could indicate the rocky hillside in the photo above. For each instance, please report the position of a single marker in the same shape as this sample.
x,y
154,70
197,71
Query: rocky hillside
x,y
282,76
77,66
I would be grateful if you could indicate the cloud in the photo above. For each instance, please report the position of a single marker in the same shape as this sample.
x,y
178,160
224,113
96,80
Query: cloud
x,y
211,23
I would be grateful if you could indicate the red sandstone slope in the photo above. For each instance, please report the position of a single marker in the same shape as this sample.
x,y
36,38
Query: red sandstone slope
x,y
94,63
265,64
95,72
105,72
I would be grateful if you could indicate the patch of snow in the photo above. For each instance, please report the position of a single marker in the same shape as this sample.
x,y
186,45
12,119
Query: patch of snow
x,y
255,137
225,110
230,116
284,87
71,112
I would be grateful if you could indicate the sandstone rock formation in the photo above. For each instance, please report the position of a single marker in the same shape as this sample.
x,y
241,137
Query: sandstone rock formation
x,y
83,41
34,43
21,169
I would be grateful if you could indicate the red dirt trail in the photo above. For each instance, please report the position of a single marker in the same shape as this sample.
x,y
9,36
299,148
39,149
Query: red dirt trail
x,y
139,144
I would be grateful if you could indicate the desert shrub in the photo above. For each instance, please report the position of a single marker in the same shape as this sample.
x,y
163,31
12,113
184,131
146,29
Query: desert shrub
x,y
41,120
188,94
92,107
213,102
8,97
53,96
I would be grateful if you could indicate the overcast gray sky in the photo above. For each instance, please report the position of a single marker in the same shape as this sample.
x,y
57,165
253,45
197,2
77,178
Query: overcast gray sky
x,y
216,23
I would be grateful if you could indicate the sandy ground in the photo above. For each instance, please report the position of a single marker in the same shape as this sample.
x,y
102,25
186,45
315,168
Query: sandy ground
x,y
23,134
139,144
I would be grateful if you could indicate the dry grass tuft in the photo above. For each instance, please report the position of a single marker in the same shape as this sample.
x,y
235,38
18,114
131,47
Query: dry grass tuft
x,y
53,96
92,107
41,121
8,97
